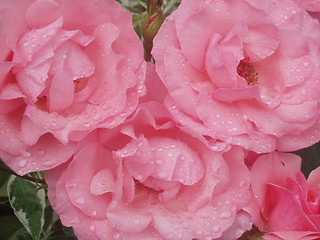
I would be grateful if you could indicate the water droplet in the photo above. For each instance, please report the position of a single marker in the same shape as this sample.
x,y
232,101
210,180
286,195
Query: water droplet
x,y
215,229
26,44
87,125
225,214
92,228
94,213
170,155
243,183
162,175
26,154
136,222
186,225
305,64
199,232
22,163
48,163
159,161
80,200
116,236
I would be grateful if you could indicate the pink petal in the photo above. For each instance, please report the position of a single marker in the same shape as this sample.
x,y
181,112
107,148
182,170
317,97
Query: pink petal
x,y
241,224
223,57
41,13
176,161
292,235
285,212
78,180
47,153
102,182
314,179
273,168
129,220
61,94
293,142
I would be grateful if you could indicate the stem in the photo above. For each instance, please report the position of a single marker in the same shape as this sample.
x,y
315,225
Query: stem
x,y
32,179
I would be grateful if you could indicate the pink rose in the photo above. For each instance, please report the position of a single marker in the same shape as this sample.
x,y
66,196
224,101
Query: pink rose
x,y
147,180
286,205
67,67
242,71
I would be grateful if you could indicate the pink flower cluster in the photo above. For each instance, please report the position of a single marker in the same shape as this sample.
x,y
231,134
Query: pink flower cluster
x,y
185,149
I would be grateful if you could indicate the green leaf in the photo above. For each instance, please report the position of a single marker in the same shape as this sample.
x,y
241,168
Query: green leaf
x,y
28,204
12,229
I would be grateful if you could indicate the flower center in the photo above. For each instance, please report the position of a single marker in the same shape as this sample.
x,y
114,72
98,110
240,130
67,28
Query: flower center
x,y
247,71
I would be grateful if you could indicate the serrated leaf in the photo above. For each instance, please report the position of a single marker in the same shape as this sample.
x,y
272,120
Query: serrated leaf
x,y
28,204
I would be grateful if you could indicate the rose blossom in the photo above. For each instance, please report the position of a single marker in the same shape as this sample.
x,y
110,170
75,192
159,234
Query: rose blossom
x,y
242,71
286,205
67,67
148,180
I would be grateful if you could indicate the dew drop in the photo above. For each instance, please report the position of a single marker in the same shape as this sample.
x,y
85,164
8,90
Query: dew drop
x,y
186,225
48,163
162,175
94,213
80,200
92,228
243,183
22,163
26,44
26,154
136,222
225,214
215,229
159,161
87,125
